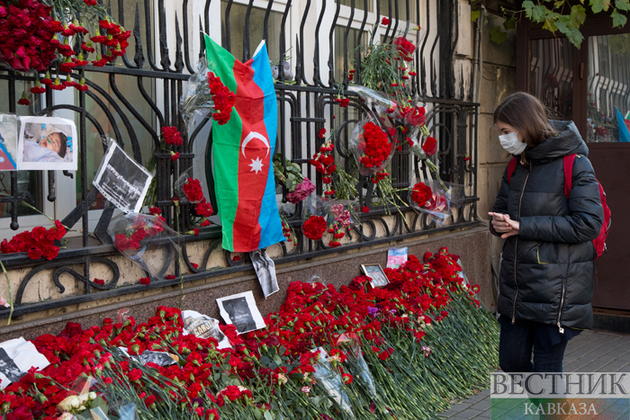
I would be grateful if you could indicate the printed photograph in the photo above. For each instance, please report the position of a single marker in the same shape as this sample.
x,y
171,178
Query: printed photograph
x,y
8,367
47,143
376,273
8,142
241,311
121,180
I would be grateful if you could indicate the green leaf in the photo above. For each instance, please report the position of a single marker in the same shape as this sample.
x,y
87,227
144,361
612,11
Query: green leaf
x,y
509,24
623,5
268,415
497,35
475,15
578,15
599,5
528,5
575,37
619,20
564,24
540,13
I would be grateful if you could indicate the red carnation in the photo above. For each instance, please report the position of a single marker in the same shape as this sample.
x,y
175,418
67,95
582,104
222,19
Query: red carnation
x,y
430,146
385,21
314,227
193,191
421,194
172,136
144,280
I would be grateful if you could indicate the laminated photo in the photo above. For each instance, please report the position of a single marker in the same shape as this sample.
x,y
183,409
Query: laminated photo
x,y
122,180
376,274
8,142
241,311
47,143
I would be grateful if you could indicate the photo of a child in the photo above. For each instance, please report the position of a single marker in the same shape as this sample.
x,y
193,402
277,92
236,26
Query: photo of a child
x,y
47,144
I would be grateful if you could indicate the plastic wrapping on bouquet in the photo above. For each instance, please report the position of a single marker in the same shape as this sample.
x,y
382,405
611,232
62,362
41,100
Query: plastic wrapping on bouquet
x,y
331,382
444,197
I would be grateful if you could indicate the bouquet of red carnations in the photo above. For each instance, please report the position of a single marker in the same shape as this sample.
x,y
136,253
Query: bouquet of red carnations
x,y
139,237
373,144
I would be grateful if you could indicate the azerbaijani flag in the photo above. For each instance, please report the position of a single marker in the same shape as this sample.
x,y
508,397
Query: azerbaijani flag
x,y
243,149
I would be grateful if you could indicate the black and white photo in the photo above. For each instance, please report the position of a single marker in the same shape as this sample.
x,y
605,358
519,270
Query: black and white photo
x,y
376,274
121,180
17,356
241,311
47,143
8,367
203,326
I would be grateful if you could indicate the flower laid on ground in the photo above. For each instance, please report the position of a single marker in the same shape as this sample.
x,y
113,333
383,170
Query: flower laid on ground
x,y
314,227
38,242
426,320
421,194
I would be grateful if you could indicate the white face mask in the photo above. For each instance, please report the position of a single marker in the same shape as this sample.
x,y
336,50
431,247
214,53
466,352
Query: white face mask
x,y
511,144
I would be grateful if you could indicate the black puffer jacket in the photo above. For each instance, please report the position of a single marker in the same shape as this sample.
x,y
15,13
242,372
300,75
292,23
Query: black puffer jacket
x,y
547,270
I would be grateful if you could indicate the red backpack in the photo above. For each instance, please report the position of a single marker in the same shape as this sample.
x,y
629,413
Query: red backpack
x,y
567,161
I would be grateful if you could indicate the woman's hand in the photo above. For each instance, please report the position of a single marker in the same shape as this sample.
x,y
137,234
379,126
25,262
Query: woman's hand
x,y
504,225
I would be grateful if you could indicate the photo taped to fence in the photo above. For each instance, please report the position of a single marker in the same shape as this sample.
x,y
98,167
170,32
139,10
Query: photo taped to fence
x,y
47,143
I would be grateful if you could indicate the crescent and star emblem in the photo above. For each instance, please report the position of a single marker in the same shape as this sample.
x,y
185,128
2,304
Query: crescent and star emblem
x,y
257,164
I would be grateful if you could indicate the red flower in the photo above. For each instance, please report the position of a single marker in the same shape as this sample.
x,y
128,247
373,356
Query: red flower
x,y
154,210
144,280
405,47
223,100
204,209
24,100
174,156
385,21
322,133
172,136
376,146
430,146
416,116
194,265
99,281
421,194
365,209
314,228
193,191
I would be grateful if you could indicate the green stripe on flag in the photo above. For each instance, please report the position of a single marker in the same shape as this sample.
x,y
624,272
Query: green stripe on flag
x,y
226,140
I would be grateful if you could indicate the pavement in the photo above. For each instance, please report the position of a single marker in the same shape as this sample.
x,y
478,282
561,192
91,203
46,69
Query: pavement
x,y
591,351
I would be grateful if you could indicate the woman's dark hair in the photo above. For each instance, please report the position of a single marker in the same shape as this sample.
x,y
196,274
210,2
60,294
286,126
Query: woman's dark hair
x,y
529,116
63,146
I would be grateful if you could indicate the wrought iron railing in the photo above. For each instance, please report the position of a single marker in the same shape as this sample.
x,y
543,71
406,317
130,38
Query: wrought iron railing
x,y
305,105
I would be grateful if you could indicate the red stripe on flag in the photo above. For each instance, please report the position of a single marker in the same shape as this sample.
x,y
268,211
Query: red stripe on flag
x,y
254,158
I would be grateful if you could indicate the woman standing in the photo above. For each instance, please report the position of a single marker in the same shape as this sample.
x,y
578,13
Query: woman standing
x,y
546,277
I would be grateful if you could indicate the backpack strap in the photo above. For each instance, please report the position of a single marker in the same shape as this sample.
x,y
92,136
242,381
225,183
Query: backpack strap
x,y
567,162
511,168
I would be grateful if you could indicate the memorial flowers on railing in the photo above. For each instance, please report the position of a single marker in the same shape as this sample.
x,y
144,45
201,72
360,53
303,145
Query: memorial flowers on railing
x,y
39,35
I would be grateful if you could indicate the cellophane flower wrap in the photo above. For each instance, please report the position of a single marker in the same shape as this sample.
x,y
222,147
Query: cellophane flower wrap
x,y
435,198
330,380
372,144
205,94
333,216
142,238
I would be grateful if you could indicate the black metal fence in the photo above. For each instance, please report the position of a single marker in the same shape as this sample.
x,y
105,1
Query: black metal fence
x,y
132,100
